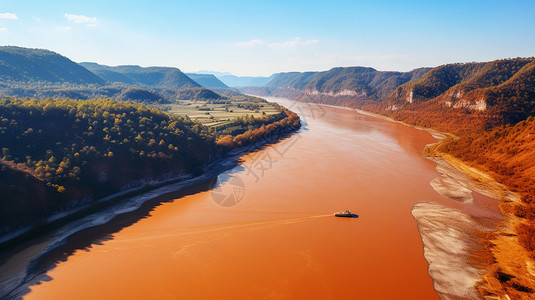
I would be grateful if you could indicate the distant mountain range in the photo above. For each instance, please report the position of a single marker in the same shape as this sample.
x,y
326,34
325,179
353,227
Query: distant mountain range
x,y
207,80
215,73
153,77
238,81
39,73
502,91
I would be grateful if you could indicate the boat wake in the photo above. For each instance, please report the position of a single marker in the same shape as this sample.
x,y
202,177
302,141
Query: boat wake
x,y
226,229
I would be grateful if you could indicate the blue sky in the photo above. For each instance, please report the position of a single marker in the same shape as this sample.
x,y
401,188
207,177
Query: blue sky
x,y
264,37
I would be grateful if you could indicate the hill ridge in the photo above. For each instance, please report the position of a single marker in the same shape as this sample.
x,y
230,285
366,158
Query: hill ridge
x,y
18,64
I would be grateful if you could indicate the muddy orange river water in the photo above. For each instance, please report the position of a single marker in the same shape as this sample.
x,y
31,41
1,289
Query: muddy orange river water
x,y
266,230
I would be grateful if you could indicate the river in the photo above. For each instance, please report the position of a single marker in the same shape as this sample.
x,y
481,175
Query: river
x,y
265,230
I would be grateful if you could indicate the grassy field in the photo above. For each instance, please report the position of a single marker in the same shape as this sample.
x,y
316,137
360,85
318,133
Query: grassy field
x,y
218,112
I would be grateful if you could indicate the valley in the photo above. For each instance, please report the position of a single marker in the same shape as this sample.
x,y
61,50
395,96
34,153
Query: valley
x,y
121,144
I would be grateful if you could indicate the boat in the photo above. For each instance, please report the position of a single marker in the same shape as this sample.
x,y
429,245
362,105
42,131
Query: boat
x,y
346,214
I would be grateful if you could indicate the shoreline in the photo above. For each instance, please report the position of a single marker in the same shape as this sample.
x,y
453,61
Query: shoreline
x,y
118,204
13,236
435,133
476,238
454,258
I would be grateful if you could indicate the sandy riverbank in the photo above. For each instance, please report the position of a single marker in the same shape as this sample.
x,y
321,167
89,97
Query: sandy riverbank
x,y
448,236
502,258
465,254
452,237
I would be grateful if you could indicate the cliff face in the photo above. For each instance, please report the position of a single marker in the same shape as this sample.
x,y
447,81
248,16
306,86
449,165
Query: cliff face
x,y
504,85
356,82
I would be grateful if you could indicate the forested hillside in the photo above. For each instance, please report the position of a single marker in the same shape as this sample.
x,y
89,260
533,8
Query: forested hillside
x,y
490,94
291,80
459,78
247,130
94,147
39,73
56,153
506,152
140,95
197,94
25,197
357,82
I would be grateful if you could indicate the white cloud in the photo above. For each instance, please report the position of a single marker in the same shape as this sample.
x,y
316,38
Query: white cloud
x,y
3,30
251,43
9,16
81,19
294,43
37,19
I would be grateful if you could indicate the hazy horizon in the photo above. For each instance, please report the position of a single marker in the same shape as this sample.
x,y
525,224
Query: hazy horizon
x,y
262,38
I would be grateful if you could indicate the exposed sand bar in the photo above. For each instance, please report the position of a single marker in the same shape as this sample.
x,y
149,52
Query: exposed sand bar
x,y
448,236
